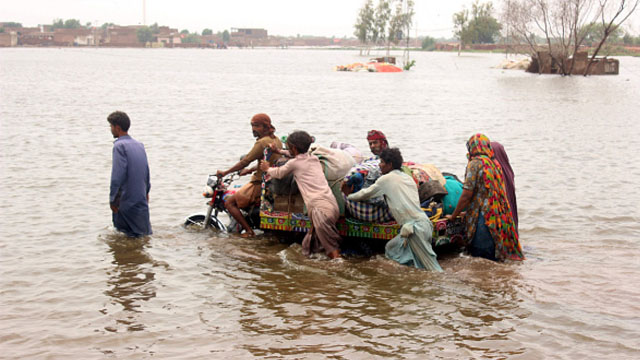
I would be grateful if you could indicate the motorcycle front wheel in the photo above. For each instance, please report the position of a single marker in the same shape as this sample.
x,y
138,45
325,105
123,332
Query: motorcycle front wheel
x,y
197,221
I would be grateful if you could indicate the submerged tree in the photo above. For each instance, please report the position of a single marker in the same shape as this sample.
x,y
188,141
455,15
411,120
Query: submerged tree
x,y
380,22
380,25
564,25
476,27
364,24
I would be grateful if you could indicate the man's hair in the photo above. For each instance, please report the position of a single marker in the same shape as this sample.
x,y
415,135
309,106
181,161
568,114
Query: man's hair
x,y
121,119
300,140
392,156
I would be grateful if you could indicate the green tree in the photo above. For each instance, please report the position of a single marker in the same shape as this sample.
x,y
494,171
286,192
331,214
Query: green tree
x,y
478,26
207,32
72,24
144,34
57,24
485,28
106,25
629,39
190,39
226,37
1,30
594,32
461,28
184,32
400,23
68,24
428,43
364,23
381,19
11,24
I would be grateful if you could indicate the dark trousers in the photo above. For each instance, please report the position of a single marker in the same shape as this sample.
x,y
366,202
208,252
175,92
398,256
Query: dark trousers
x,y
482,244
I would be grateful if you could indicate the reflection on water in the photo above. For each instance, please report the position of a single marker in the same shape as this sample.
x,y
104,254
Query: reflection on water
x,y
131,280
70,287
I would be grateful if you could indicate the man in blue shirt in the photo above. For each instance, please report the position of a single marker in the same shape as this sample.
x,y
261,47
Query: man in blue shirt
x,y
129,194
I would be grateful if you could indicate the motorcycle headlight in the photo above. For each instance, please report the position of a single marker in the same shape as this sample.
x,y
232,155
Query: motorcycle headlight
x,y
208,191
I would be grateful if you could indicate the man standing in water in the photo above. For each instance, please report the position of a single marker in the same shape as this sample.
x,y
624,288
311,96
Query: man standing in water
x,y
249,194
129,193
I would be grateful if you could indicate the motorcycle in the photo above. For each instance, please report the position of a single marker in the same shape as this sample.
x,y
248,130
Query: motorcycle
x,y
217,189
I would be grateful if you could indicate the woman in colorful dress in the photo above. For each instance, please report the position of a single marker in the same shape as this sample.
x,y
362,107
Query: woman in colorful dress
x,y
490,229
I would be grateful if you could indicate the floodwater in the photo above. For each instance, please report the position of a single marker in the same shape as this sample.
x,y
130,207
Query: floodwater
x,y
71,287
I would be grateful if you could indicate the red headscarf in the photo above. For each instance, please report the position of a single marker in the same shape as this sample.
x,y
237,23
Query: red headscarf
x,y
377,135
264,120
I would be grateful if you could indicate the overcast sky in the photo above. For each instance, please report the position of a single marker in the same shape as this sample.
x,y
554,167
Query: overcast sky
x,y
279,17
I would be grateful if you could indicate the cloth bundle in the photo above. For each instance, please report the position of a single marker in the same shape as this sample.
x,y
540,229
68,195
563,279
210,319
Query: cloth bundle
x,y
365,211
336,162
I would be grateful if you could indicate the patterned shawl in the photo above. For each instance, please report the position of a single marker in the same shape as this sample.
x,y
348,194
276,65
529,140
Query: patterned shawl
x,y
498,219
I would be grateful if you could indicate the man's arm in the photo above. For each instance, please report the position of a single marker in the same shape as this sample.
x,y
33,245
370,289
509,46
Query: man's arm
x,y
254,154
372,191
148,182
118,174
247,171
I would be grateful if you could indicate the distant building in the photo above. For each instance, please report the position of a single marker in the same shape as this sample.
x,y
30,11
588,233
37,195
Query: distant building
x,y
71,37
122,36
37,36
168,37
450,46
211,40
8,38
249,33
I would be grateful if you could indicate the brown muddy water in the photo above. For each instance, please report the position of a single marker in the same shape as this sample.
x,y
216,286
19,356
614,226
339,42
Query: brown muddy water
x,y
70,287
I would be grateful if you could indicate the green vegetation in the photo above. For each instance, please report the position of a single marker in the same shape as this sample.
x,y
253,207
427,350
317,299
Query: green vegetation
x,y
190,38
594,31
428,43
207,32
11,24
226,36
145,34
68,24
477,27
409,65
630,40
364,23
382,25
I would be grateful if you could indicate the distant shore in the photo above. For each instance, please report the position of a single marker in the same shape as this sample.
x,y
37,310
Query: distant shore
x,y
614,51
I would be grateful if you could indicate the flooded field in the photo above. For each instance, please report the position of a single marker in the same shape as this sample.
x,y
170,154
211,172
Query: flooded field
x,y
72,287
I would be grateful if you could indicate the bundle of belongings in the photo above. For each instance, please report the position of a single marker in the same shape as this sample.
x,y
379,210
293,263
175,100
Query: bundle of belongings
x,y
361,176
438,193
335,164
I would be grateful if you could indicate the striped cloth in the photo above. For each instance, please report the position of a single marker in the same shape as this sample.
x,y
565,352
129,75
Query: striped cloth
x,y
367,212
